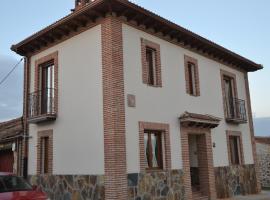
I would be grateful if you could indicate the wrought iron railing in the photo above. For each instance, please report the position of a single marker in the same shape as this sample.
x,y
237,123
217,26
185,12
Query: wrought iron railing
x,y
236,110
42,102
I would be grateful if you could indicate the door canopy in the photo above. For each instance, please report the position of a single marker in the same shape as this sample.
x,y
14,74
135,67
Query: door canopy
x,y
194,120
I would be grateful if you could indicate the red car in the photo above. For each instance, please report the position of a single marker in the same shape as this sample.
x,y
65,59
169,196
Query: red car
x,y
16,188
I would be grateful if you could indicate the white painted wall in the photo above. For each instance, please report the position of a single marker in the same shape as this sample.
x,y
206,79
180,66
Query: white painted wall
x,y
166,104
78,130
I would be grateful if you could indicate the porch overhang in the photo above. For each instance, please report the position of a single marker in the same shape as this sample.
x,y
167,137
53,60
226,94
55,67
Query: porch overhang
x,y
194,120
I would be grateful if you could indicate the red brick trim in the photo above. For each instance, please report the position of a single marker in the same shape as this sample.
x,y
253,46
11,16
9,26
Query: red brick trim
x,y
114,109
206,163
239,134
194,61
40,135
165,129
51,57
144,44
224,73
251,127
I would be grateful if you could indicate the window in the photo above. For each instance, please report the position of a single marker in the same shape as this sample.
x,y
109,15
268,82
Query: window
x,y
151,64
43,102
192,76
44,155
229,96
153,149
235,148
46,87
45,152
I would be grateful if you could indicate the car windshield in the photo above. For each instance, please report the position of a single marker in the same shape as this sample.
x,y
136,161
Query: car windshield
x,y
13,183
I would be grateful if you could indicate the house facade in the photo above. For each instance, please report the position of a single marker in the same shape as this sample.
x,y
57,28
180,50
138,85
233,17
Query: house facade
x,y
123,104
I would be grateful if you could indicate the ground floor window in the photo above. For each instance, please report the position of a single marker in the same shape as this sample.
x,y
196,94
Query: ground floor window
x,y
44,155
153,149
235,148
45,152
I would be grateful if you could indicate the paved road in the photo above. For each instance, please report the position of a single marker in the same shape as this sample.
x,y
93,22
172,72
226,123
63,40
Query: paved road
x,y
265,195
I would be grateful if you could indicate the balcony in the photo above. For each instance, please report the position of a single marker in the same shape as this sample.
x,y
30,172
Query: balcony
x,y
236,111
42,106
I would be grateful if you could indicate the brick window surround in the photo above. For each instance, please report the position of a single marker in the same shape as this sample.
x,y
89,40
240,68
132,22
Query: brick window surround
x,y
241,153
40,135
164,128
205,160
156,47
232,76
53,57
189,60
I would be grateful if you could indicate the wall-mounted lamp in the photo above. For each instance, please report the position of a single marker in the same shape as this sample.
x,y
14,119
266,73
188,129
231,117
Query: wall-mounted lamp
x,y
214,145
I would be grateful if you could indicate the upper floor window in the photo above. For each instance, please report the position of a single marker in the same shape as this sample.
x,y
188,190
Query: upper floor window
x,y
229,95
192,76
43,101
234,108
153,149
46,86
151,64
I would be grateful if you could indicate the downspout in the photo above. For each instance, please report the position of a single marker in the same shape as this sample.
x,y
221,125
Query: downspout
x,y
25,116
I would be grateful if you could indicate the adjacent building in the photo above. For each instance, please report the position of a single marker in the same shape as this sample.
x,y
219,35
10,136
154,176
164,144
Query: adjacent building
x,y
121,103
11,146
263,154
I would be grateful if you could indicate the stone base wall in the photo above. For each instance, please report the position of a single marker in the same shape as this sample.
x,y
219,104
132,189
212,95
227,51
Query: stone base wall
x,y
263,156
168,185
70,187
235,180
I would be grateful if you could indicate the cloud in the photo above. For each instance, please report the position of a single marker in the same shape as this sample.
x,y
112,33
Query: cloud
x,y
11,91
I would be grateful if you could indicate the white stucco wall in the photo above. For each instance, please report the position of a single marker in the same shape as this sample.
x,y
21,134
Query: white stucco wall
x,y
78,130
166,104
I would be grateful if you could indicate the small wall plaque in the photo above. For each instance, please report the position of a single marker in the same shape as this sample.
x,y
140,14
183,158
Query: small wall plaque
x,y
131,100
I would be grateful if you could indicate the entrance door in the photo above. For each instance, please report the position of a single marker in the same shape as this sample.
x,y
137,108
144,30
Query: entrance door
x,y
199,173
198,163
6,160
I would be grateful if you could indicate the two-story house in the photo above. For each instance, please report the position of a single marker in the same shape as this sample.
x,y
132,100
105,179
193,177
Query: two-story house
x,y
123,104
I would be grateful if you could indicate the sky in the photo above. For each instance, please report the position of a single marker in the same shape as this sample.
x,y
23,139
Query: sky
x,y
242,26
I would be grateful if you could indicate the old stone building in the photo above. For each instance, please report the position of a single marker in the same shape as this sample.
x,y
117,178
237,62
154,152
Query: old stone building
x,y
263,155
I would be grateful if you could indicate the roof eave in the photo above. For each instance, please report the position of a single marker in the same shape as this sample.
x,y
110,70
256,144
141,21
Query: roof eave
x,y
115,5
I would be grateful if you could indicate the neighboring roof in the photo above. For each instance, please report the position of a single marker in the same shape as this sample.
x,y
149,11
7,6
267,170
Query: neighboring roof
x,y
194,119
11,129
262,140
132,12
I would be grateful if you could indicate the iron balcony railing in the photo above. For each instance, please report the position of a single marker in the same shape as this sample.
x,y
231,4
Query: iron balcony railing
x,y
42,103
236,110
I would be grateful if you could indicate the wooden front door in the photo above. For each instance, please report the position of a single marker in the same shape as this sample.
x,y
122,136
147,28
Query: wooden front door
x,y
6,160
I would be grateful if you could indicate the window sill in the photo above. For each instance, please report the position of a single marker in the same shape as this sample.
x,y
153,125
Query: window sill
x,y
154,86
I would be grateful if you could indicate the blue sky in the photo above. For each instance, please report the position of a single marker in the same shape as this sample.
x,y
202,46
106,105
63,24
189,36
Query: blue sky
x,y
242,26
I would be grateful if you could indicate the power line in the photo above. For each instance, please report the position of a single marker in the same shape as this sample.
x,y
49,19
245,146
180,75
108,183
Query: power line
x,y
10,72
